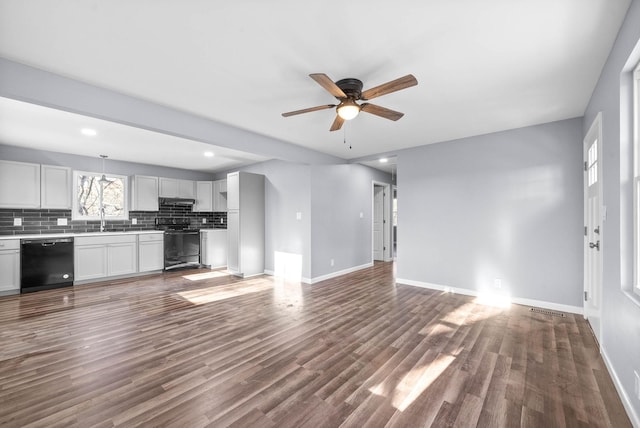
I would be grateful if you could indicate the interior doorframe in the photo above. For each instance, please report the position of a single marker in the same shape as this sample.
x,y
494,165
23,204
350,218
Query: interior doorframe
x,y
387,254
595,130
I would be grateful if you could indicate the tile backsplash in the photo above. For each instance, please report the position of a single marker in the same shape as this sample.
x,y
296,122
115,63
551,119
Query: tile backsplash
x,y
35,221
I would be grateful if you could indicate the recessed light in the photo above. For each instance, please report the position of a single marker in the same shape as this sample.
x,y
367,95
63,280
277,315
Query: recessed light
x,y
89,132
384,160
209,154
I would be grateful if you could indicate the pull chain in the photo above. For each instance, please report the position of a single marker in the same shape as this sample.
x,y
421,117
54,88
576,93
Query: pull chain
x,y
344,138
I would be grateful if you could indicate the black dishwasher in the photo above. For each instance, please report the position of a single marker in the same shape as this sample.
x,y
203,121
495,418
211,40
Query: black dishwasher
x,y
45,264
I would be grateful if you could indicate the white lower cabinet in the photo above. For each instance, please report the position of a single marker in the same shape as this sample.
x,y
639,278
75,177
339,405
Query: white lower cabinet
x,y
90,261
213,247
150,252
122,258
10,266
104,256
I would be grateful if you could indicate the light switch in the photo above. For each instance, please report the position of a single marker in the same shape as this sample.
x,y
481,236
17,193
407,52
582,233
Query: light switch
x,y
62,222
361,214
298,216
17,221
134,221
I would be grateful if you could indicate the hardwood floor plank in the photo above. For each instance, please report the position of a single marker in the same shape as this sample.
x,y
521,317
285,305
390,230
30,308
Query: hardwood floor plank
x,y
186,349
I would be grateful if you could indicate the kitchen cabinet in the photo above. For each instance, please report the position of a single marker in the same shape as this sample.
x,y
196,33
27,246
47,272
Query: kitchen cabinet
x,y
204,196
10,266
104,256
176,188
19,185
90,261
220,195
144,193
150,252
245,223
55,187
213,248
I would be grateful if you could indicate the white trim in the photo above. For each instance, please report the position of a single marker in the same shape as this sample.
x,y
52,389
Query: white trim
x,y
336,274
474,293
387,228
622,393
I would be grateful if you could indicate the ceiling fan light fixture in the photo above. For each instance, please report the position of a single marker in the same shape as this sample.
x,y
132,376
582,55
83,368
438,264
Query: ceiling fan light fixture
x,y
348,109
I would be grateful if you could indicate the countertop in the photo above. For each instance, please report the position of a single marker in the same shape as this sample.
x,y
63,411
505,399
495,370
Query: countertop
x,y
70,235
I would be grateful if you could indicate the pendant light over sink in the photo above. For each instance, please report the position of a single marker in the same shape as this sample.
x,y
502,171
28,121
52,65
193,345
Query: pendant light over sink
x,y
104,180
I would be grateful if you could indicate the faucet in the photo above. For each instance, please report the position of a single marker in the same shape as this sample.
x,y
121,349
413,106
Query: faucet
x,y
101,219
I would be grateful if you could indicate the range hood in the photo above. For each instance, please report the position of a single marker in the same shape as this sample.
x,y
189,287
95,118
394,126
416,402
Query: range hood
x,y
177,201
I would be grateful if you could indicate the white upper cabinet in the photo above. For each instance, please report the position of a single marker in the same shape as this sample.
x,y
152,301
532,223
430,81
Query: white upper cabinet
x,y
144,193
175,188
55,187
204,196
220,195
233,191
19,185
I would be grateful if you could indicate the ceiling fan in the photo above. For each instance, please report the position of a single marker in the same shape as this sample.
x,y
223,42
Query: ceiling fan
x,y
348,91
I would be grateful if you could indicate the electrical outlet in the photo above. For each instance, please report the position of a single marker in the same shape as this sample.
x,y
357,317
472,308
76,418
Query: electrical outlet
x,y
331,262
497,283
17,221
134,221
62,222
204,221
637,376
298,216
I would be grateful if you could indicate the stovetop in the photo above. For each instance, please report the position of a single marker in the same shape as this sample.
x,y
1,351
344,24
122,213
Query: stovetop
x,y
174,224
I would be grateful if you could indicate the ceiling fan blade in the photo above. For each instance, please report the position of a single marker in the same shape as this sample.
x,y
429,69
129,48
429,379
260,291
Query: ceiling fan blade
x,y
386,88
328,84
308,110
381,111
337,123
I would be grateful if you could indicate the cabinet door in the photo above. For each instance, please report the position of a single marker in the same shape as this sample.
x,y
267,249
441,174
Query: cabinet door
x,y
10,268
19,185
186,189
204,196
168,188
204,250
233,242
233,191
55,187
90,262
144,193
218,249
220,195
150,256
122,258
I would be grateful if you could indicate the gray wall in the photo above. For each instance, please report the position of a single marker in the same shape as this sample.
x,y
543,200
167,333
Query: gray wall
x,y
340,193
287,192
506,205
330,199
620,314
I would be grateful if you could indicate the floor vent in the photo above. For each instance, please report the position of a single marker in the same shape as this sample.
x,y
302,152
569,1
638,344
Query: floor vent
x,y
546,312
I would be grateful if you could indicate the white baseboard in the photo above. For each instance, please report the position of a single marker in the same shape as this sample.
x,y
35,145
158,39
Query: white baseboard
x,y
306,280
474,293
626,401
338,273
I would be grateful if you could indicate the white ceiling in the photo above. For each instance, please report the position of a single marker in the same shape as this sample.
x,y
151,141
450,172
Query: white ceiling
x,y
42,128
482,66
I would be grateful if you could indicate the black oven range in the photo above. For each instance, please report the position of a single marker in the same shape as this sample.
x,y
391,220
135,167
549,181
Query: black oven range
x,y
181,243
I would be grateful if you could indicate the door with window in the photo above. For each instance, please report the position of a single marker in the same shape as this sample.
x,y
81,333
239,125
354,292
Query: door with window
x,y
593,227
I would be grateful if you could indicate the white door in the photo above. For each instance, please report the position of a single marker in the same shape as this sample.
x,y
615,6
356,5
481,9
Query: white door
x,y
378,222
593,228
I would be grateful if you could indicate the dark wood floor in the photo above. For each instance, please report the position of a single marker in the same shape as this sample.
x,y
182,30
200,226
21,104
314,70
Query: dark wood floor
x,y
200,348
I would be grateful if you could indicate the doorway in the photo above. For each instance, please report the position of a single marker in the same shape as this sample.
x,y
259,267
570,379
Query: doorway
x,y
592,152
381,225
